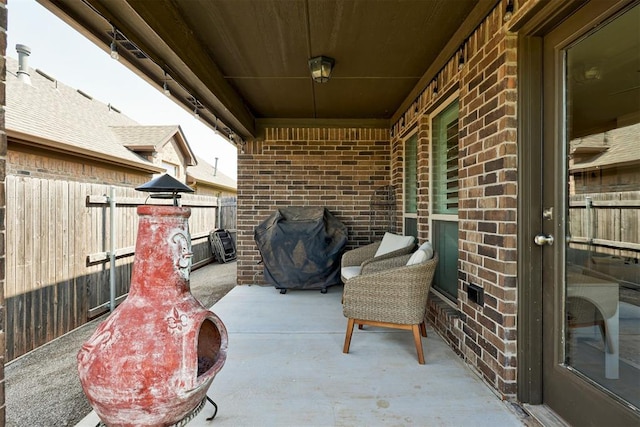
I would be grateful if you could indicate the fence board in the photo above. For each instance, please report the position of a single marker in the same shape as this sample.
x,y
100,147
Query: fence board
x,y
50,217
20,226
10,236
62,272
33,218
43,261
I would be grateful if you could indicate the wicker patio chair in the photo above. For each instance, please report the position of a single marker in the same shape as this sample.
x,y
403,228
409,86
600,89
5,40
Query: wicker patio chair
x,y
359,257
390,294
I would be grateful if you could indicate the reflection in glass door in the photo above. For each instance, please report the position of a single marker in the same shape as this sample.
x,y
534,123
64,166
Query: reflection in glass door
x,y
602,248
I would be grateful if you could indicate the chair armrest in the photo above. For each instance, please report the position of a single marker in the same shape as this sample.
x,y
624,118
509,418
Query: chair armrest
x,y
357,256
397,278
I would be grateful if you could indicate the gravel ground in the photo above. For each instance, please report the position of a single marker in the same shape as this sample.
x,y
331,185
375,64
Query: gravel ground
x,y
42,387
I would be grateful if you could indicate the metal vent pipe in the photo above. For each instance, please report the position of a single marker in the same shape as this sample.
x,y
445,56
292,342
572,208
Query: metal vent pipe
x,y
23,63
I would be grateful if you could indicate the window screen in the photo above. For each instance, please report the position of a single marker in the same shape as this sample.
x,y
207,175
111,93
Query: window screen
x,y
410,174
411,186
445,161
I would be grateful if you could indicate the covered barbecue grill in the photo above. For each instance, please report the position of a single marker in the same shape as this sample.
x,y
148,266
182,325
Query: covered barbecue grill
x,y
301,248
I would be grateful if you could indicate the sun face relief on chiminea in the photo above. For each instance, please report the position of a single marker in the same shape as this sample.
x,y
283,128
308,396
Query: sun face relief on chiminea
x,y
151,362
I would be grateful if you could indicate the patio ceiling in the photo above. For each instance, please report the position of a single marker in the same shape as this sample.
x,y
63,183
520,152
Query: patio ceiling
x,y
244,63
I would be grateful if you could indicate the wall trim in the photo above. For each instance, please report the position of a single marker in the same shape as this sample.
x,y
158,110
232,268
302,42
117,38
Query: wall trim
x,y
262,124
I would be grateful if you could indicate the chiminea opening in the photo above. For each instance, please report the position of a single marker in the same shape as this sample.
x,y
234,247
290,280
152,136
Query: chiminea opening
x,y
209,341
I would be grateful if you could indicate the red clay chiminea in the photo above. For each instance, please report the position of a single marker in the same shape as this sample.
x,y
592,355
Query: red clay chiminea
x,y
151,362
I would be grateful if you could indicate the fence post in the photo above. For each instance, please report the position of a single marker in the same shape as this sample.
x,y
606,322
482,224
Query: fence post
x,y
219,209
112,249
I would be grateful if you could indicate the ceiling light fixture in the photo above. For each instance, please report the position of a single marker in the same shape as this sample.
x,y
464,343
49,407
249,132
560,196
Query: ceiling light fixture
x,y
508,11
114,46
461,58
321,68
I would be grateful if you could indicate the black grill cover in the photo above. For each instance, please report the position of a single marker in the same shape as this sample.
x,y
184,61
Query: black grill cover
x,y
301,248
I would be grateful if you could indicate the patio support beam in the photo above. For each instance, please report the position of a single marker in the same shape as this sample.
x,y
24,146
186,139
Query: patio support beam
x,y
160,39
162,17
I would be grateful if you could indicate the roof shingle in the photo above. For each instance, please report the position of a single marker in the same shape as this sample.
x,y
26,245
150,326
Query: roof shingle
x,y
55,112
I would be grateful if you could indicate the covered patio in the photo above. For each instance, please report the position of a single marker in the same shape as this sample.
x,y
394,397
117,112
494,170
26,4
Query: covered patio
x,y
443,120
285,367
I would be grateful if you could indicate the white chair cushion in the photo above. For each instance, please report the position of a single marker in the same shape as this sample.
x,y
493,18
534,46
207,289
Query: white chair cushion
x,y
392,242
349,272
428,248
418,257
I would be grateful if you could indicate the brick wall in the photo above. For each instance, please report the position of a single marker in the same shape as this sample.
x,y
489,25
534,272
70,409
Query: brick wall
x,y
3,153
488,195
485,336
340,169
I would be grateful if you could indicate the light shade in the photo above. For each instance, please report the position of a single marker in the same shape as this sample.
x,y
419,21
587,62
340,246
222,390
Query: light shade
x,y
321,67
114,50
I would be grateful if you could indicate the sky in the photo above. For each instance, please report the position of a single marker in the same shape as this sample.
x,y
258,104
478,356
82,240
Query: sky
x,y
75,61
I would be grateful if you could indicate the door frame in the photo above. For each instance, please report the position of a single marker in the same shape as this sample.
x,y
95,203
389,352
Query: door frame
x,y
529,220
531,120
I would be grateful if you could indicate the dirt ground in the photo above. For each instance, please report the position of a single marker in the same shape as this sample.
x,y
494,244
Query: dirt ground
x,y
42,388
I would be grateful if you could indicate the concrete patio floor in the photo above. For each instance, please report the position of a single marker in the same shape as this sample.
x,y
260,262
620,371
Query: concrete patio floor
x,y
285,367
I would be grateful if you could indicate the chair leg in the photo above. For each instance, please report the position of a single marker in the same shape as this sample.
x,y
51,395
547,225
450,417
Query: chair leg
x,y
418,340
423,329
347,338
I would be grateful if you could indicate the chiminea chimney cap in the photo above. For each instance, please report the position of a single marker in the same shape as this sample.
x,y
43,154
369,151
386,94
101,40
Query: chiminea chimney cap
x,y
165,184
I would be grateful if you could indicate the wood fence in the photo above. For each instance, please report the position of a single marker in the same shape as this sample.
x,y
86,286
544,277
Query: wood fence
x,y
57,254
604,234
606,220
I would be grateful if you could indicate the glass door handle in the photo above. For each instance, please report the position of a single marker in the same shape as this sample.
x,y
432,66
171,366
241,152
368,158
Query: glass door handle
x,y
543,239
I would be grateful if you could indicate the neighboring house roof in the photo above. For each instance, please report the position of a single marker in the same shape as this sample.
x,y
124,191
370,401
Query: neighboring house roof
x,y
152,138
207,174
616,147
50,114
